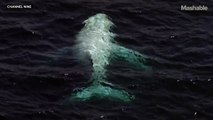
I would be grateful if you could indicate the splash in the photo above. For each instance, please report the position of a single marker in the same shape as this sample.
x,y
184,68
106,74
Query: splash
x,y
97,41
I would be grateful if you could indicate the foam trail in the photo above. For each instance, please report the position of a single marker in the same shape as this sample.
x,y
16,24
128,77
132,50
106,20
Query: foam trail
x,y
97,41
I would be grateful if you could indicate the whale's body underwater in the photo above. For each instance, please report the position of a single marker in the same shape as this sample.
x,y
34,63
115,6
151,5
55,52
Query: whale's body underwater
x,y
97,41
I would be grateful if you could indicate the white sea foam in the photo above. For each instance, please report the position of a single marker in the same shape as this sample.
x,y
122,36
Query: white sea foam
x,y
95,40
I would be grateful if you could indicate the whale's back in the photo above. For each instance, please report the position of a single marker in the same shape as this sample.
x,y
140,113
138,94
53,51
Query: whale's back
x,y
95,39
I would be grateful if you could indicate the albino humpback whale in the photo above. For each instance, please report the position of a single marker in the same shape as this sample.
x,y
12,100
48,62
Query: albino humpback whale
x,y
97,41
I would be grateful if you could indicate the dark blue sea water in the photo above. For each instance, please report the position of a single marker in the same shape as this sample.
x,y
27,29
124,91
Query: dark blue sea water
x,y
35,82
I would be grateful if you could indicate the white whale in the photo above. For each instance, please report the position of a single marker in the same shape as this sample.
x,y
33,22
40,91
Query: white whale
x,y
97,41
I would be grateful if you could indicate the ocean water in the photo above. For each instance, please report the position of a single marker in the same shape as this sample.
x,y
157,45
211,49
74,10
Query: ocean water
x,y
38,73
